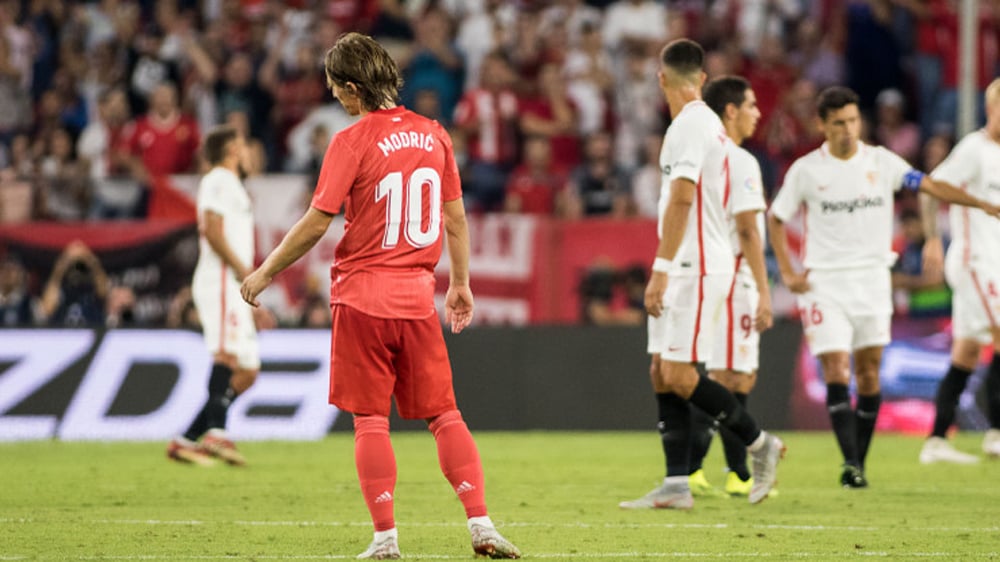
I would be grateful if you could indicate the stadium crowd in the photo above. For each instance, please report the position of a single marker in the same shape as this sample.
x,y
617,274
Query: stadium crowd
x,y
553,105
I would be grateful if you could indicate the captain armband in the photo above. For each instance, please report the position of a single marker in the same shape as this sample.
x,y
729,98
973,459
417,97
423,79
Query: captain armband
x,y
913,179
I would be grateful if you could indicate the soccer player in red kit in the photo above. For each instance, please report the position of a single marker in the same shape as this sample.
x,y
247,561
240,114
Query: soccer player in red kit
x,y
395,175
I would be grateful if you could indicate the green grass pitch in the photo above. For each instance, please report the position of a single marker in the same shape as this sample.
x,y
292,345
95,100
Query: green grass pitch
x,y
555,495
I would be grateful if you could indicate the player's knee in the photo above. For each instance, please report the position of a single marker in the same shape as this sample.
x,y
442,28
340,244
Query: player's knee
x,y
243,379
965,353
656,376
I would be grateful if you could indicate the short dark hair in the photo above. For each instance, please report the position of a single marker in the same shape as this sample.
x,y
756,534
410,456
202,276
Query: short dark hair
x,y
725,90
834,98
362,61
684,56
214,147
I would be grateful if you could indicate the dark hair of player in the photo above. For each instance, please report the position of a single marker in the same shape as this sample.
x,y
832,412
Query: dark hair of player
x,y
683,56
723,91
362,61
834,98
216,140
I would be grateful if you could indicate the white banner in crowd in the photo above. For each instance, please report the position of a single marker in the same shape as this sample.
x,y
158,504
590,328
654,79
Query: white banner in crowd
x,y
102,365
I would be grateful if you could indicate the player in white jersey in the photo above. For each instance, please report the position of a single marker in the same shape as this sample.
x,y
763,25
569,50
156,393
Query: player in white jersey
x,y
747,308
694,254
225,221
972,268
845,190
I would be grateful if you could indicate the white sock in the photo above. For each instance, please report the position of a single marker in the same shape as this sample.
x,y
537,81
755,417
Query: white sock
x,y
383,535
484,521
758,442
675,480
185,441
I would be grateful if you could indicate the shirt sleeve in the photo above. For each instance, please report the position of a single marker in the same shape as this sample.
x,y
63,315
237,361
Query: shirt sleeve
x,y
336,176
213,195
960,167
896,167
687,151
789,197
745,184
451,183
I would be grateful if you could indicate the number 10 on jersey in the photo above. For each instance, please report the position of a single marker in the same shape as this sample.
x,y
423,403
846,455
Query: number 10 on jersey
x,y
412,223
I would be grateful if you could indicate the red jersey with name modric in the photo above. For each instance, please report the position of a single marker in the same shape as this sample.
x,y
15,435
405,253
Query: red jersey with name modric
x,y
391,171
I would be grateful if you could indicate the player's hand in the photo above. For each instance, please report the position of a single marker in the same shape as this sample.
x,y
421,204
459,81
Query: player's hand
x,y
764,316
655,289
932,259
458,307
991,209
796,282
252,286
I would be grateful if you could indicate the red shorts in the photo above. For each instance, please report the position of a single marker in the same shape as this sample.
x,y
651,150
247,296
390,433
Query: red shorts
x,y
373,359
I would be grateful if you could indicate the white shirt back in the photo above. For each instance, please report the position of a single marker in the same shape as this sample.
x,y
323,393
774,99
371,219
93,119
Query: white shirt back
x,y
222,192
847,205
695,148
745,193
974,165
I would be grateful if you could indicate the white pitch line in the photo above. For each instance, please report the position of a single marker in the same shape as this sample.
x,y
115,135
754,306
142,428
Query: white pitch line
x,y
555,555
566,525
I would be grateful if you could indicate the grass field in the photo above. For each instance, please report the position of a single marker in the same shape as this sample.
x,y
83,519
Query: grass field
x,y
554,494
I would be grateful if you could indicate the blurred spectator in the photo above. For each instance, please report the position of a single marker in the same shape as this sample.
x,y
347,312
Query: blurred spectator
x,y
75,292
638,24
21,160
598,186
120,308
481,33
17,308
20,44
331,117
638,105
609,297
934,151
577,17
64,181
770,74
435,65
589,72
815,56
255,162
647,181
792,131
15,100
758,20
872,55
926,291
428,104
550,113
534,186
164,141
114,193
182,313
487,116
239,90
315,313
525,49
893,131
297,88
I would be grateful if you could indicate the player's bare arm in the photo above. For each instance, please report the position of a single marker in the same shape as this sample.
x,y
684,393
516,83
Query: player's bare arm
x,y
675,219
299,240
951,194
212,228
933,251
752,248
458,302
794,280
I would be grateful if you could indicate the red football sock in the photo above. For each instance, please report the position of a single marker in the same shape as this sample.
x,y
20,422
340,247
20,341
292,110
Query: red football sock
x,y
459,461
376,466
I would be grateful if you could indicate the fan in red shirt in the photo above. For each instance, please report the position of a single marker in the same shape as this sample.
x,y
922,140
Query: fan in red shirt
x,y
164,141
394,174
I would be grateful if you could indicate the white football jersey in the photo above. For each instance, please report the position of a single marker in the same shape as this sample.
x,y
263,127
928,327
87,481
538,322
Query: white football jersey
x,y
974,165
847,206
695,148
744,193
222,192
